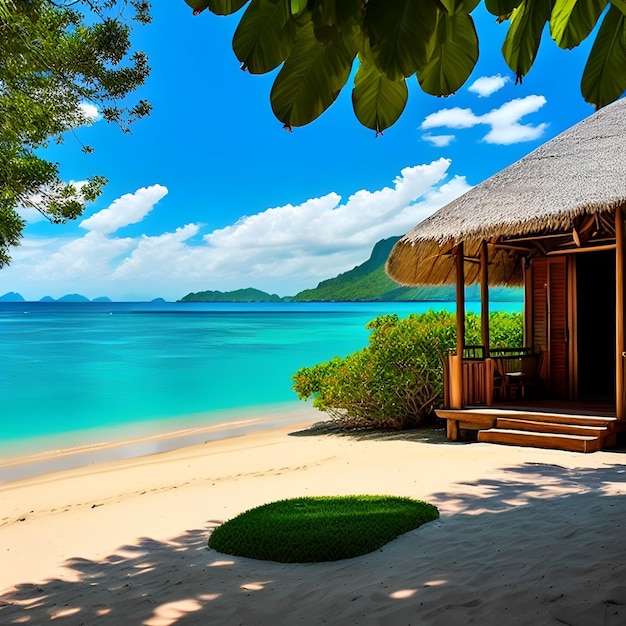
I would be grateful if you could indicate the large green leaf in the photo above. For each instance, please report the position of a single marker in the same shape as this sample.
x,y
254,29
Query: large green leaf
x,y
400,34
604,76
454,55
297,6
378,102
331,15
459,6
225,7
573,20
262,40
522,41
502,8
620,4
198,5
312,76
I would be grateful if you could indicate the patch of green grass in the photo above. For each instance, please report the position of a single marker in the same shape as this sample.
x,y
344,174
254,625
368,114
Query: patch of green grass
x,y
311,530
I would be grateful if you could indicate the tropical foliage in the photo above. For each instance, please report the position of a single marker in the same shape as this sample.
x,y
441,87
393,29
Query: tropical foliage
x,y
317,42
397,380
57,59
326,528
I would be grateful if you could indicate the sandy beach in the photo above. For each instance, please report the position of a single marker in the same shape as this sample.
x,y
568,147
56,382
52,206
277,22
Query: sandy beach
x,y
526,536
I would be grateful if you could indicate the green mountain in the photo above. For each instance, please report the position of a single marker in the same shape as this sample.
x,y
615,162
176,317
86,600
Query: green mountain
x,y
368,282
240,295
365,283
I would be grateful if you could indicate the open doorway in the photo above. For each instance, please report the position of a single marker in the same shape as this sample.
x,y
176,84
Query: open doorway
x,y
595,288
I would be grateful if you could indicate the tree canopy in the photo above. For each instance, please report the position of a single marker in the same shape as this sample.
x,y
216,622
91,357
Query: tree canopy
x,y
57,58
317,42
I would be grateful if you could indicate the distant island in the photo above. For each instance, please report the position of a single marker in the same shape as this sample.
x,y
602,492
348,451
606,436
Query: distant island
x,y
239,295
13,296
367,282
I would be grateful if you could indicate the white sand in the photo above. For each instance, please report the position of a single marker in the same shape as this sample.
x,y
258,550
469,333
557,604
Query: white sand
x,y
526,536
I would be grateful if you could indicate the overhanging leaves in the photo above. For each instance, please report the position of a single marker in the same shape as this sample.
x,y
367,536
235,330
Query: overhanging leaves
x,y
522,41
620,4
312,77
604,76
501,8
225,7
459,6
573,20
297,6
434,39
260,41
378,102
400,34
454,55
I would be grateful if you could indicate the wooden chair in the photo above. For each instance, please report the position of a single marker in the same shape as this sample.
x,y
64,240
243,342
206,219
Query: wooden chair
x,y
516,369
526,375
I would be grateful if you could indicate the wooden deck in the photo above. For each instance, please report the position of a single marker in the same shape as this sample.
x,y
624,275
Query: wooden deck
x,y
563,426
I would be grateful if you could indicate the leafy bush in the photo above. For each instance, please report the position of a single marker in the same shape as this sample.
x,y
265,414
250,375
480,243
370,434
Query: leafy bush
x,y
397,380
312,530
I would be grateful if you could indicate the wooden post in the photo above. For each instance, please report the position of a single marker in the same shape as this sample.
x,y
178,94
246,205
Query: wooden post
x,y
460,299
484,296
456,362
484,320
527,272
619,314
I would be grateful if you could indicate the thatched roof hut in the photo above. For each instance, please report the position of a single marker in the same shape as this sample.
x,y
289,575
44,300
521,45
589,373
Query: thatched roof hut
x,y
557,196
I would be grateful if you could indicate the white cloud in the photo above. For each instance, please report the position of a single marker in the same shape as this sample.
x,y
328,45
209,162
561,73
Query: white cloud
x,y
81,258
29,214
488,85
323,223
89,111
504,121
280,250
440,141
451,118
128,209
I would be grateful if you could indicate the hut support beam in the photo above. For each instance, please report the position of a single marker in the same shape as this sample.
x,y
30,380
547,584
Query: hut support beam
x,y
619,313
484,296
456,360
484,320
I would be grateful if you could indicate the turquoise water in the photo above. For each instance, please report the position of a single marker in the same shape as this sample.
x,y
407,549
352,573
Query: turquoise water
x,y
90,368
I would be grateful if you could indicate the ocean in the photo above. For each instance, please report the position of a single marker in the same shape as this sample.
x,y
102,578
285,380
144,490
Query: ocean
x,y
76,374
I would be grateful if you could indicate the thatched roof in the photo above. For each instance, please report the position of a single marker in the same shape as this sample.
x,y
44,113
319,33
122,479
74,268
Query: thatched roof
x,y
580,172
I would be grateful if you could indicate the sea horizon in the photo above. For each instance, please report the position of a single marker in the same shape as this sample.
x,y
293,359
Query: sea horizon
x,y
83,376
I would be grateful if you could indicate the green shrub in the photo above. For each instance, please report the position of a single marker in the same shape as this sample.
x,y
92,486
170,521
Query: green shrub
x,y
311,530
397,380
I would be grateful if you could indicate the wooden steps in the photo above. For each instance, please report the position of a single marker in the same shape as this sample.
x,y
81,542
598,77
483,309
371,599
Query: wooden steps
x,y
560,431
573,443
585,430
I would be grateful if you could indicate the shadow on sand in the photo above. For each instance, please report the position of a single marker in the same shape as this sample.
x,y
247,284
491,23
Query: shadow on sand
x,y
434,434
543,544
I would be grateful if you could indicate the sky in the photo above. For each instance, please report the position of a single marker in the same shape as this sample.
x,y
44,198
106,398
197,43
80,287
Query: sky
x,y
211,193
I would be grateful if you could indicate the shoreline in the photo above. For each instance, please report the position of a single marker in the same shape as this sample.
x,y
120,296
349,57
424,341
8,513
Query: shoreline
x,y
526,536
143,439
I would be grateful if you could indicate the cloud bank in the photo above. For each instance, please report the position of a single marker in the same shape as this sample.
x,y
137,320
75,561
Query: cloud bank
x,y
504,122
280,250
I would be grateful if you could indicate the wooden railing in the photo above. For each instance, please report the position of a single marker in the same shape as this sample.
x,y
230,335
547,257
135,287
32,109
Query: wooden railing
x,y
468,380
477,381
474,378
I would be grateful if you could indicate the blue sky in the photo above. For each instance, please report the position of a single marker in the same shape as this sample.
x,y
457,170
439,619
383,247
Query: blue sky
x,y
210,192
